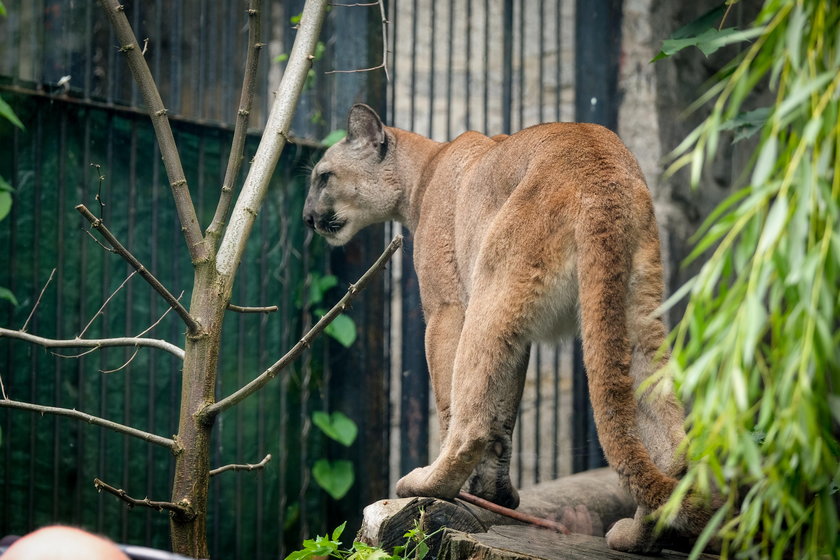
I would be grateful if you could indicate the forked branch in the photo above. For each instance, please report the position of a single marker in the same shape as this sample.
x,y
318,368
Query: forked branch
x,y
304,343
183,509
169,151
173,302
246,100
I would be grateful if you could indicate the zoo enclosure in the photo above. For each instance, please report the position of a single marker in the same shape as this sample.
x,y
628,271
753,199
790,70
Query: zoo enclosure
x,y
492,65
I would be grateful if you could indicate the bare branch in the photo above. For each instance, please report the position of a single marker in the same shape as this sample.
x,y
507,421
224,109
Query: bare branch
x,y
75,356
182,509
513,514
165,313
94,342
173,302
384,64
304,342
125,365
273,140
107,301
3,390
247,467
99,192
241,309
169,152
37,302
246,100
95,420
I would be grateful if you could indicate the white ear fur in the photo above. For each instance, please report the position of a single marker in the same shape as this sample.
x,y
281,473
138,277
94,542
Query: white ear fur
x,y
364,126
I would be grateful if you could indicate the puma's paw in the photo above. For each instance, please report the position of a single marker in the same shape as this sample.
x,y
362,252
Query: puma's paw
x,y
498,489
628,535
420,482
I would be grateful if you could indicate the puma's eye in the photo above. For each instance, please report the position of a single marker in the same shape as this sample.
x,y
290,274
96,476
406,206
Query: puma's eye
x,y
323,178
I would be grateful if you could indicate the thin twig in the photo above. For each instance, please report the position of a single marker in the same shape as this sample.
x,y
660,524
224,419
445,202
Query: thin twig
x,y
165,313
304,343
107,301
241,309
246,101
125,365
178,509
247,467
38,301
173,302
75,356
384,64
95,420
94,342
99,191
157,112
3,389
513,514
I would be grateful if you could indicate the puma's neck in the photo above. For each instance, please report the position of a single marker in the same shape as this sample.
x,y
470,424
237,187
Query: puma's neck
x,y
414,162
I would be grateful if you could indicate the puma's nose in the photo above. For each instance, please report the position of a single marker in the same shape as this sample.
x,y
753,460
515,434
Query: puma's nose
x,y
309,219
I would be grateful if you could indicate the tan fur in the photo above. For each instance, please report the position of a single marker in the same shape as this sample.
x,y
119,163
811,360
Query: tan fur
x,y
520,238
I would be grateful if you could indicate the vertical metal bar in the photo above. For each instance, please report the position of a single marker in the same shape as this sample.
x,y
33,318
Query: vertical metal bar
x,y
414,397
522,68
555,416
433,44
486,59
135,90
467,76
451,47
538,447
507,66
558,44
242,343
34,365
413,105
175,59
541,76
59,310
392,64
154,263
87,82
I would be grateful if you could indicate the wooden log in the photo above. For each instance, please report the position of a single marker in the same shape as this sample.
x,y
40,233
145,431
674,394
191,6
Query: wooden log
x,y
588,503
532,543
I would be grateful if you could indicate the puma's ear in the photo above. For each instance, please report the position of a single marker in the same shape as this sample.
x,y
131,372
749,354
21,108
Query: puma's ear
x,y
364,126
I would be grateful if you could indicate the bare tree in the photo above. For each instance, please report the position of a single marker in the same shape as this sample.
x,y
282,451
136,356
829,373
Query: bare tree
x,y
215,256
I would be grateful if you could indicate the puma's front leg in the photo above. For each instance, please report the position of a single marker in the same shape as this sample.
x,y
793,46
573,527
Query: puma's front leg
x,y
486,388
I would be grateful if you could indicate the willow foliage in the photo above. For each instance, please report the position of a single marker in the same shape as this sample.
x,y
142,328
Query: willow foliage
x,y
757,350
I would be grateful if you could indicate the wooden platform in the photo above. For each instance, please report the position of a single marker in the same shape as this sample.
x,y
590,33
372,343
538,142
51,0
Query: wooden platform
x,y
516,542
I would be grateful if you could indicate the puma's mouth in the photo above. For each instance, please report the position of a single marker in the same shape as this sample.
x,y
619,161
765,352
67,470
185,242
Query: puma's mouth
x,y
330,224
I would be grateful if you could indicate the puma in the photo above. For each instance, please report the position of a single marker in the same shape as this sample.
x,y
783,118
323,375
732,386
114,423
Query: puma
x,y
521,238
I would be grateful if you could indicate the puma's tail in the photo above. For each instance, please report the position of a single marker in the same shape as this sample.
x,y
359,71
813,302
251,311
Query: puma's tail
x,y
605,239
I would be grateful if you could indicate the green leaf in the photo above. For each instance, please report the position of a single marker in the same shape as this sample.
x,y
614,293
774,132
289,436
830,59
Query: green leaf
x,y
336,426
282,57
342,329
7,112
5,203
748,123
319,285
2,9
6,293
295,20
703,34
334,137
335,478
776,220
338,530
5,186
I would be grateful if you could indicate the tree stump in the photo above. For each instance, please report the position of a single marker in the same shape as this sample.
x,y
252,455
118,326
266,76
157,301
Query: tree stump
x,y
586,503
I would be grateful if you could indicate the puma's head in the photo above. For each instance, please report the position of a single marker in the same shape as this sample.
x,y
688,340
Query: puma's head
x,y
354,184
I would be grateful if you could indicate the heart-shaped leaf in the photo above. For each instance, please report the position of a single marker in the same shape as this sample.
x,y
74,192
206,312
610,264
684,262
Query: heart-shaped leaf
x,y
336,426
335,478
343,329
